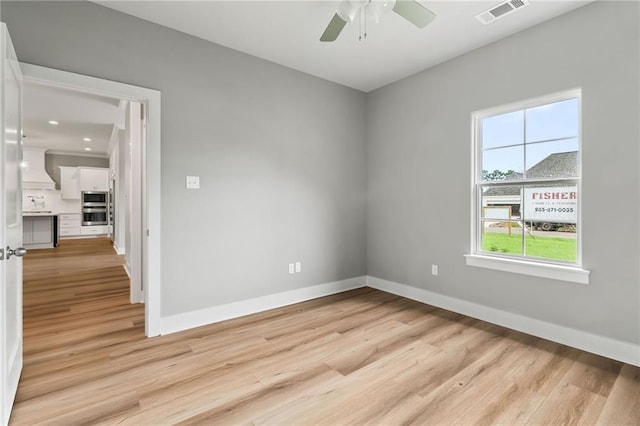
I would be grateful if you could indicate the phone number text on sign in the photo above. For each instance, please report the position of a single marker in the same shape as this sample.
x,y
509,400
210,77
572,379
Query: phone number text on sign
x,y
551,204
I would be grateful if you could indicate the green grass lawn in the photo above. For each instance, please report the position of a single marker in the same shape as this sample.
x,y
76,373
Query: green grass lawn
x,y
546,247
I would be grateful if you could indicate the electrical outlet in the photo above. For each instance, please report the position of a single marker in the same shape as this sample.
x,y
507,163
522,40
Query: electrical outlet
x,y
292,268
193,182
434,269
298,266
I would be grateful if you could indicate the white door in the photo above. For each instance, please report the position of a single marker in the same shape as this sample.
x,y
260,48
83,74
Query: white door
x,y
10,224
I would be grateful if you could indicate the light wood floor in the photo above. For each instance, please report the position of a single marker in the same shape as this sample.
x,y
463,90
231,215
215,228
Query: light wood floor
x,y
359,357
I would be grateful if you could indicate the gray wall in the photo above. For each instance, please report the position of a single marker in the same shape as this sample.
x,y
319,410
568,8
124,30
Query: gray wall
x,y
419,156
52,163
280,154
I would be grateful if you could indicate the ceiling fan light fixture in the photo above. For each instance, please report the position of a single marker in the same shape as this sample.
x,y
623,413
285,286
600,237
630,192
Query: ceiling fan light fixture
x,y
347,11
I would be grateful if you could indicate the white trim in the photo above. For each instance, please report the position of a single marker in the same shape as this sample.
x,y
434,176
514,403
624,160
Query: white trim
x,y
119,250
601,345
151,222
529,103
113,137
76,154
187,320
552,271
135,199
126,268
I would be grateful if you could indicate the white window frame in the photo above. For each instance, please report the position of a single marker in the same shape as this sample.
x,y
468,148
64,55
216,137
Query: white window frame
x,y
544,268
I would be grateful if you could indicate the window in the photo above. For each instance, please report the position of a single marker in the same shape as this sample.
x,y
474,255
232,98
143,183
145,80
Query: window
x,y
526,181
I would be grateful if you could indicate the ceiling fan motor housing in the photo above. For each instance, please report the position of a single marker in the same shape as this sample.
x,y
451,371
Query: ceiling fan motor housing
x,y
348,9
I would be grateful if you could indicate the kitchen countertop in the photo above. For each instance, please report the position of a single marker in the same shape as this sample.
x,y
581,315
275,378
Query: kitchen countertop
x,y
39,213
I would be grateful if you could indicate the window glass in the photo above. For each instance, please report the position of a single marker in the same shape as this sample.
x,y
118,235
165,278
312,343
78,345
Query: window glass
x,y
501,227
552,159
551,216
502,163
553,121
503,130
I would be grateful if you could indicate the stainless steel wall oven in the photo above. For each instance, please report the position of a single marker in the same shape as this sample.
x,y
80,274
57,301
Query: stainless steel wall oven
x,y
95,208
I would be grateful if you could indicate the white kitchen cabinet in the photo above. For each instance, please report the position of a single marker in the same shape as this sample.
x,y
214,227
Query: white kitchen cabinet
x,y
69,183
95,230
94,179
37,231
69,224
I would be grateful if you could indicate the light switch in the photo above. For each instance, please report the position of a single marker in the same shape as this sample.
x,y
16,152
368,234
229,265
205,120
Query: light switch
x,y
193,182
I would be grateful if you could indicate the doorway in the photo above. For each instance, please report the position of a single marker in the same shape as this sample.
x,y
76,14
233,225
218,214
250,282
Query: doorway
x,y
145,235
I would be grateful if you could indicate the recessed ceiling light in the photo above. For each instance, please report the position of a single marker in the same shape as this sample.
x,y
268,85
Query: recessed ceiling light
x,y
53,122
86,139
87,149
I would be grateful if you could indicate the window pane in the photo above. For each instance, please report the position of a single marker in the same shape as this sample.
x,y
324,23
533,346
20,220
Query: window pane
x,y
501,227
502,163
501,239
502,130
551,213
553,121
552,159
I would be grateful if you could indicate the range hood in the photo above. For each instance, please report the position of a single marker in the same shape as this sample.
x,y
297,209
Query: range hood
x,y
34,175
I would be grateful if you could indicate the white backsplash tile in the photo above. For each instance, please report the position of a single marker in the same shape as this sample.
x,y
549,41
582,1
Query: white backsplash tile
x,y
35,199
33,202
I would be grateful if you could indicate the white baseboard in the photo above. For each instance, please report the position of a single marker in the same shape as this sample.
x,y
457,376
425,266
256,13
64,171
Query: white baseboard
x,y
119,250
600,345
187,320
127,268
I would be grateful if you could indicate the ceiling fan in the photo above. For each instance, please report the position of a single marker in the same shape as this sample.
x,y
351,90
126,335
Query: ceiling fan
x,y
348,10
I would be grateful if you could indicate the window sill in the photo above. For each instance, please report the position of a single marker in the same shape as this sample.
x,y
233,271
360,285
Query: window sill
x,y
544,270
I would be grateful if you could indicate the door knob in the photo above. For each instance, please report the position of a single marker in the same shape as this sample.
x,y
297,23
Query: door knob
x,y
20,251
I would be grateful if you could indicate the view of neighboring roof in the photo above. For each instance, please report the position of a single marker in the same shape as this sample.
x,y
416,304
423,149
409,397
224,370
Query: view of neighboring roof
x,y
558,165
497,191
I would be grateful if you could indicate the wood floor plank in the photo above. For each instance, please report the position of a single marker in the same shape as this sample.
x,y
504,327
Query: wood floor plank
x,y
505,404
594,373
467,387
544,366
359,357
569,405
260,403
331,403
623,403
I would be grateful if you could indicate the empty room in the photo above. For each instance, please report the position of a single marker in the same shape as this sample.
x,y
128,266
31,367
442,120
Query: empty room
x,y
320,212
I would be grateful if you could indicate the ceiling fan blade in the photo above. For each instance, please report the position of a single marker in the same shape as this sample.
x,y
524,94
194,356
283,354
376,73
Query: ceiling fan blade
x,y
414,12
333,29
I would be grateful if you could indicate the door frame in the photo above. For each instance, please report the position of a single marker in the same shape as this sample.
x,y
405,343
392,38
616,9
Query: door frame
x,y
150,166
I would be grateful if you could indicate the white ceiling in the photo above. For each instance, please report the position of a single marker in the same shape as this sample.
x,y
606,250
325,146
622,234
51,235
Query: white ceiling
x,y
288,33
80,115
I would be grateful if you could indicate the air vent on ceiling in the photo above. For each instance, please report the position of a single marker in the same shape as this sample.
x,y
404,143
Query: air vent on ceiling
x,y
501,10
